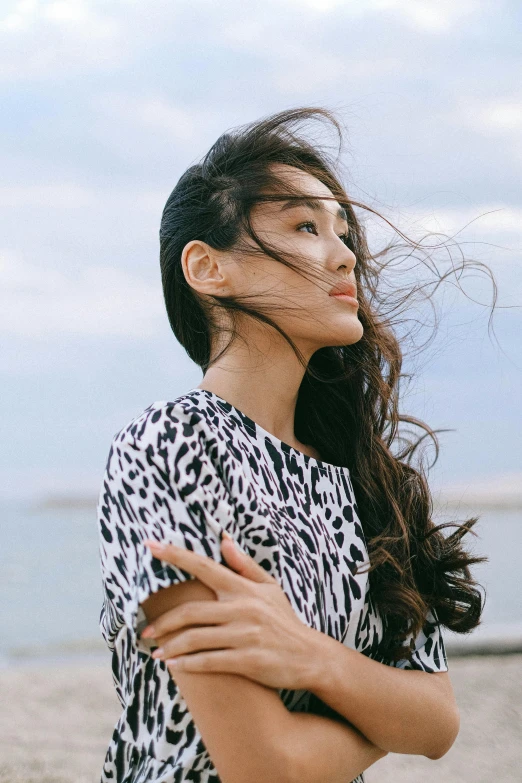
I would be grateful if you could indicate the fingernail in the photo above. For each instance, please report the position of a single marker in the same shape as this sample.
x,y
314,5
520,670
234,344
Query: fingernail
x,y
227,535
149,632
158,653
155,545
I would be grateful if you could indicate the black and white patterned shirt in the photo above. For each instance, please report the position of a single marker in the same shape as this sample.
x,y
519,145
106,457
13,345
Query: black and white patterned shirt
x,y
183,471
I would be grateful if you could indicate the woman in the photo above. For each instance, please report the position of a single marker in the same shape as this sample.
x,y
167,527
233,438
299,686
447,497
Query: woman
x,y
290,627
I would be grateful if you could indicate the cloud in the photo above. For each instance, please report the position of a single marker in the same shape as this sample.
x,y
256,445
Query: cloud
x,y
505,116
53,196
151,113
301,73
430,16
498,116
491,224
21,16
41,302
64,38
70,196
39,40
491,221
490,234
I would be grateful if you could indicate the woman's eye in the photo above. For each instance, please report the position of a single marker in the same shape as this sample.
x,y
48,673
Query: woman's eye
x,y
310,223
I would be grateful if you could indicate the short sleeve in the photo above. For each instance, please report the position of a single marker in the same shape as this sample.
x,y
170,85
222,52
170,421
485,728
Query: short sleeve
x,y
430,653
159,483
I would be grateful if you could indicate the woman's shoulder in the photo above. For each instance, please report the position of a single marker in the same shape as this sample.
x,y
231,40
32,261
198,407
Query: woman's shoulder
x,y
164,423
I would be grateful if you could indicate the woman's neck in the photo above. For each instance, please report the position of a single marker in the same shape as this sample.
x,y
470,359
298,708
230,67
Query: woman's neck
x,y
264,386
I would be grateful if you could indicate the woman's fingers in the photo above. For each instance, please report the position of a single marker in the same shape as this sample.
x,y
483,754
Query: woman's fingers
x,y
216,576
191,613
200,639
245,565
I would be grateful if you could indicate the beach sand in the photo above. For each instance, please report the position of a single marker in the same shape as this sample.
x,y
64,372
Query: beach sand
x,y
57,719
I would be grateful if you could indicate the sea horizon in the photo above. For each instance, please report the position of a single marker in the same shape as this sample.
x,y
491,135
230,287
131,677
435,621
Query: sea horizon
x,y
52,586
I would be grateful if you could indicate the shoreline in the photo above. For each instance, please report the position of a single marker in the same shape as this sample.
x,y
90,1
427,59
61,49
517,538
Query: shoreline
x,y
495,640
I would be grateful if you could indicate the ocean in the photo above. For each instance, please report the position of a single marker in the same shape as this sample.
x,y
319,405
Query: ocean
x,y
51,580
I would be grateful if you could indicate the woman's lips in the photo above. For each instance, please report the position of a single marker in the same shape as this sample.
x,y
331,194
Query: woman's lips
x,y
346,298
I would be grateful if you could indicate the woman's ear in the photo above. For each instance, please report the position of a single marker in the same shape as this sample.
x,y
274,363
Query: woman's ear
x,y
203,269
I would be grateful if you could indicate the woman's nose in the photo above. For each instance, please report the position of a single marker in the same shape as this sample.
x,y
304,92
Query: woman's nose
x,y
349,261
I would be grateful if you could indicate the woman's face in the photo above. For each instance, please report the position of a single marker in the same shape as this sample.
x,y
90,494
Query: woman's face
x,y
313,236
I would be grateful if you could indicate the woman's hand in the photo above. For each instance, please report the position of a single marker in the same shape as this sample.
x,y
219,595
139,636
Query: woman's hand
x,y
250,630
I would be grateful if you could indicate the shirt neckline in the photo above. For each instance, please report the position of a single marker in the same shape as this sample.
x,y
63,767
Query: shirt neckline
x,y
253,427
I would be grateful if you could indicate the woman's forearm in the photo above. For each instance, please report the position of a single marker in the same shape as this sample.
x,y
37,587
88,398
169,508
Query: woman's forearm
x,y
401,711
324,750
251,736
249,732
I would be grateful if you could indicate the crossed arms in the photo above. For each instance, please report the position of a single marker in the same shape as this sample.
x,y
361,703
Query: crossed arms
x,y
251,736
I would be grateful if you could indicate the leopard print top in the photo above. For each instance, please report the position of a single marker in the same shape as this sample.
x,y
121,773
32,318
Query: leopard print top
x,y
184,471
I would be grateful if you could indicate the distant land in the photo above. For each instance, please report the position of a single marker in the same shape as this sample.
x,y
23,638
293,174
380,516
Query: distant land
x,y
495,493
500,493
66,500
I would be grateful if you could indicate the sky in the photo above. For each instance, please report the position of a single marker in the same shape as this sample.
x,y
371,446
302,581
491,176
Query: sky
x,y
105,105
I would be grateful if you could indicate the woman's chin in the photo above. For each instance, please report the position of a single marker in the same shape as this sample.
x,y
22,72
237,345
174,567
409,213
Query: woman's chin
x,y
347,334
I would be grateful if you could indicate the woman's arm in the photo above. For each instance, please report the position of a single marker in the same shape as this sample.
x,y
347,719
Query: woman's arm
x,y
248,731
401,711
397,710
323,750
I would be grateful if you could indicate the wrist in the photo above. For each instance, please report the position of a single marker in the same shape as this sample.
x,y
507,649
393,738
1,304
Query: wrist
x,y
323,663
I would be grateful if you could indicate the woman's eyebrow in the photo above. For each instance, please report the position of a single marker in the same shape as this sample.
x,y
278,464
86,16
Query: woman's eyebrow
x,y
315,204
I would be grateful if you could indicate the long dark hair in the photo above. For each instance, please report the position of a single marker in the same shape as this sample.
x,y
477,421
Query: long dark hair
x,y
348,402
